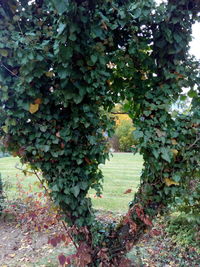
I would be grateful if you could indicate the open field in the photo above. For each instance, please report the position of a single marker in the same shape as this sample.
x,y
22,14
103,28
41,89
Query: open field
x,y
120,173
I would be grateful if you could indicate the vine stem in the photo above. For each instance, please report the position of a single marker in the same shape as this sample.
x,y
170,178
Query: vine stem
x,y
9,70
194,143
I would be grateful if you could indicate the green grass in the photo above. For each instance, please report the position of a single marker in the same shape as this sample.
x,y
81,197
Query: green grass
x,y
121,172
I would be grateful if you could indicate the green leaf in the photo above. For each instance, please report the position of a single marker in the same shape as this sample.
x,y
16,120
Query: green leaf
x,y
77,98
60,5
192,93
55,188
94,58
5,128
75,190
61,28
183,97
155,153
72,37
165,154
46,148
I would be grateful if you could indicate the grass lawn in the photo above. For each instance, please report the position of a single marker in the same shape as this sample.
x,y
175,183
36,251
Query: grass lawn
x,y
121,172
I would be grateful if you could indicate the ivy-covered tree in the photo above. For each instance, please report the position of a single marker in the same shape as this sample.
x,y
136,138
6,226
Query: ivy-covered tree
x,y
61,63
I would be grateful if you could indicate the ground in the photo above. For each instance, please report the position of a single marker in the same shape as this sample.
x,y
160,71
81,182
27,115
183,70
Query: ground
x,y
20,247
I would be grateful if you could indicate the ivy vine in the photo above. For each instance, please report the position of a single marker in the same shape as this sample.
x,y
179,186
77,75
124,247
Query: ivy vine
x,y
62,62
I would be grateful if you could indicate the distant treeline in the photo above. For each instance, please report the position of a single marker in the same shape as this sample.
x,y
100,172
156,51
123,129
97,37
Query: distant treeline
x,y
3,155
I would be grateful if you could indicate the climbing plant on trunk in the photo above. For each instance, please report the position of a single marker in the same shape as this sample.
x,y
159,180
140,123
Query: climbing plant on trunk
x,y
62,62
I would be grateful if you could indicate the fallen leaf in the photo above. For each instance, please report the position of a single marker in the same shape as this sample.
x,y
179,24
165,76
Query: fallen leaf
x,y
62,259
155,232
12,255
128,191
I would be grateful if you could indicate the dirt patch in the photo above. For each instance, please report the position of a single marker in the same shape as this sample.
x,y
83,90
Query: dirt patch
x,y
20,247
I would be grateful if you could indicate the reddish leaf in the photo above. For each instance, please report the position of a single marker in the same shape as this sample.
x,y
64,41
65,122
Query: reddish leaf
x,y
58,134
125,263
62,259
147,221
53,242
155,232
38,101
128,191
87,160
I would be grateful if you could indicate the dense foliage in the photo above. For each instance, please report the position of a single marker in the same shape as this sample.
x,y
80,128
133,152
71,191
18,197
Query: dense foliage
x,y
62,62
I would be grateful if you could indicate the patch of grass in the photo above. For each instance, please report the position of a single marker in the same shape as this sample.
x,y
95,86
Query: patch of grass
x,y
121,172
11,175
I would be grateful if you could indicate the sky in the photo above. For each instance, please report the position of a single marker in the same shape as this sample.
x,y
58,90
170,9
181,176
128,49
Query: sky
x,y
195,44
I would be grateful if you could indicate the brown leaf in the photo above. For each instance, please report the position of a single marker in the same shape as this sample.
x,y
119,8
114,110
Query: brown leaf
x,y
104,26
87,160
160,133
128,191
38,101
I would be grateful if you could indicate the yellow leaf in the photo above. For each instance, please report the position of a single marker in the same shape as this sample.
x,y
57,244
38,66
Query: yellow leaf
x,y
4,52
5,128
170,182
12,255
33,108
174,142
174,151
49,74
